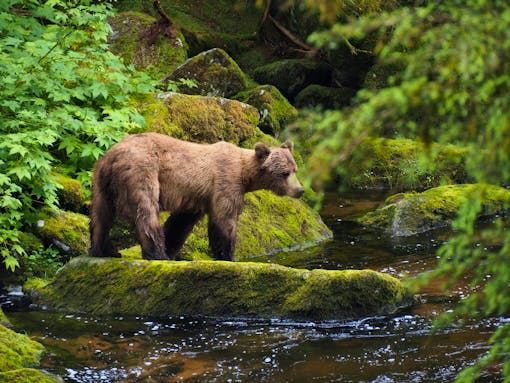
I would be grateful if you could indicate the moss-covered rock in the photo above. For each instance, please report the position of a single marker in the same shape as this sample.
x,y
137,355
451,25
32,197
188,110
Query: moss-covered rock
x,y
70,195
274,109
327,97
199,118
378,76
268,224
215,73
404,164
19,357
138,40
67,231
412,213
120,287
293,75
3,317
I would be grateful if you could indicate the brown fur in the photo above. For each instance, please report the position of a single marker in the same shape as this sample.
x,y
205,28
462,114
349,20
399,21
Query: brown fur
x,y
148,173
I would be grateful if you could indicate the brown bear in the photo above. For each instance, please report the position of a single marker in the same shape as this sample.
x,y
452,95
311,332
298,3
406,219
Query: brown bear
x,y
147,173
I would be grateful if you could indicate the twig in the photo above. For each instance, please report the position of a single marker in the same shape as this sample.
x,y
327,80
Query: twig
x,y
161,11
291,36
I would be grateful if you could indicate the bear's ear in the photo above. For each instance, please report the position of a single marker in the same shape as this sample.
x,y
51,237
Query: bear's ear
x,y
261,151
288,145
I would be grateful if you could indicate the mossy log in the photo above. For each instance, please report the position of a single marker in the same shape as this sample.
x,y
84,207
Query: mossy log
x,y
102,286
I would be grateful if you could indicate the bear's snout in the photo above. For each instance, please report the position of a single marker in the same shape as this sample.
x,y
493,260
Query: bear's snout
x,y
298,193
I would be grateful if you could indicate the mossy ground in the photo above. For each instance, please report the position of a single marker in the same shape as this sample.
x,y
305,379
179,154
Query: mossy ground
x,y
114,286
327,97
412,213
70,196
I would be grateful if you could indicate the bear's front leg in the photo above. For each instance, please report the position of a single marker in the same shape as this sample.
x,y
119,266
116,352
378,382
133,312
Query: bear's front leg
x,y
177,228
222,238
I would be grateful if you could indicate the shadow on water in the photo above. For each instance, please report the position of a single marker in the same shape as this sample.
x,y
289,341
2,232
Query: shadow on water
x,y
399,348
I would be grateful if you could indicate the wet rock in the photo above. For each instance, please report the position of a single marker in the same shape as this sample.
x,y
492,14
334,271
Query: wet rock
x,y
274,109
411,213
119,287
215,73
137,39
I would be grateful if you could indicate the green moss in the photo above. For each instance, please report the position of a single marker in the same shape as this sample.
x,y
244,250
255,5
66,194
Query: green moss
x,y
268,224
208,24
18,350
199,118
70,196
27,375
274,109
131,40
403,164
412,213
327,97
215,73
115,286
67,231
3,317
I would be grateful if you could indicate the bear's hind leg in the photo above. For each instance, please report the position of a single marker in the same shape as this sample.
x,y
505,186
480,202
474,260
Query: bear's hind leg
x,y
150,233
177,228
101,222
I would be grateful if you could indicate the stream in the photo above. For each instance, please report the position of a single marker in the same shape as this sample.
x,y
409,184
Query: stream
x,y
397,348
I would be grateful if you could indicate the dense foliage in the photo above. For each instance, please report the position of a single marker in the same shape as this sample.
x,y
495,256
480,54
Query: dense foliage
x,y
452,88
63,101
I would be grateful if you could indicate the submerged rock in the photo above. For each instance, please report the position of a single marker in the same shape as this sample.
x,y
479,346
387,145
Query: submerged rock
x,y
119,287
20,358
406,214
215,73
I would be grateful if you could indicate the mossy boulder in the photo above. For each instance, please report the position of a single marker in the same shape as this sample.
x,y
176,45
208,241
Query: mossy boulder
x,y
404,164
120,287
215,73
3,318
378,76
149,46
293,75
411,213
199,118
208,24
268,224
327,97
20,358
274,109
70,195
67,231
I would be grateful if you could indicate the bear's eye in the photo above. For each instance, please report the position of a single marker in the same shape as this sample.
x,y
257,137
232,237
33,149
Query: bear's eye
x,y
285,174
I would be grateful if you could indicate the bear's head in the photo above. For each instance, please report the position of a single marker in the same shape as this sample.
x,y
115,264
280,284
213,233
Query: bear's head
x,y
277,170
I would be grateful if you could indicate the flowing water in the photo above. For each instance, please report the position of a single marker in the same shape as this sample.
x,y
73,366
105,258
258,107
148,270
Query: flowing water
x,y
397,348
